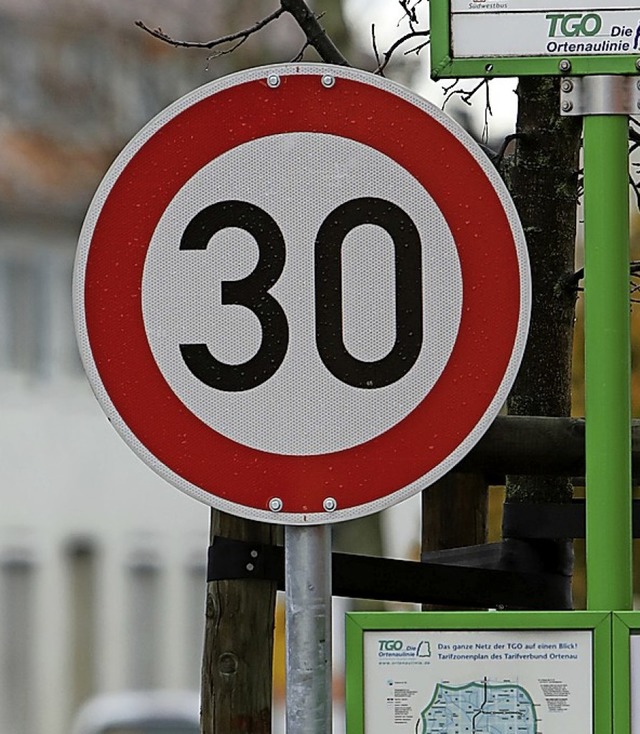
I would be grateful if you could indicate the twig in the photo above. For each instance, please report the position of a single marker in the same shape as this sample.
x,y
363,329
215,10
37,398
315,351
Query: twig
x,y
386,56
300,55
505,144
446,90
572,281
375,46
298,9
634,139
488,112
410,12
240,36
464,94
635,187
416,49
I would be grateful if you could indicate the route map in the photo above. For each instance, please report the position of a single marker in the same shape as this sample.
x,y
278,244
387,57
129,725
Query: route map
x,y
479,708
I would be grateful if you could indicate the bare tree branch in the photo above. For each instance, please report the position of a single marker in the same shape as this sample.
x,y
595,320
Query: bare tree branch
x,y
308,22
315,33
388,54
240,36
635,275
374,44
573,280
488,112
501,152
447,89
416,49
300,55
410,12
635,186
634,139
465,95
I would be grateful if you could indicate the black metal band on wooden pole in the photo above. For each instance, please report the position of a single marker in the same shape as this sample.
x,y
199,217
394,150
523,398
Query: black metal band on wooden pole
x,y
536,446
465,577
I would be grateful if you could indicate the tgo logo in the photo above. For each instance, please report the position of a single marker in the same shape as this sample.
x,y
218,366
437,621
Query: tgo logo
x,y
397,648
569,25
390,645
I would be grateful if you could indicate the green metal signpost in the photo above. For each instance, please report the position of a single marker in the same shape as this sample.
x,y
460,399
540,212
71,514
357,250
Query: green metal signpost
x,y
607,363
595,45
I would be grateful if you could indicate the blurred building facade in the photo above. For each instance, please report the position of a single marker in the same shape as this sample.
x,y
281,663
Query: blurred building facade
x,y
101,563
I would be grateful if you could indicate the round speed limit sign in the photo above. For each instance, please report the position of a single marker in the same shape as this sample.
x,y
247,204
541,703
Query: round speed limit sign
x,y
301,293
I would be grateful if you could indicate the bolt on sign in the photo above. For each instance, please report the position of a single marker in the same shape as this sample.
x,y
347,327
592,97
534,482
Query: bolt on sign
x,y
544,37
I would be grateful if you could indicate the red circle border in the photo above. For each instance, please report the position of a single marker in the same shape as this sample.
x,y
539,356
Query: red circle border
x,y
140,193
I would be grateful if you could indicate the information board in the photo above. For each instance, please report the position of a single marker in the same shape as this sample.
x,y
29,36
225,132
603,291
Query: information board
x,y
516,37
482,672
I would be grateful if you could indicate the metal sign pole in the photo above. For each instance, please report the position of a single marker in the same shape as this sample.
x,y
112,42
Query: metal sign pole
x,y
308,629
605,102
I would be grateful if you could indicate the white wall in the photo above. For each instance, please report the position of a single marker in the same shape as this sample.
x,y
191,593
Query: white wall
x,y
67,480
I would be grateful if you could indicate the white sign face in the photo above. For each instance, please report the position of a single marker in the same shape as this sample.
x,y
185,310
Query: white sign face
x,y
177,288
480,681
505,28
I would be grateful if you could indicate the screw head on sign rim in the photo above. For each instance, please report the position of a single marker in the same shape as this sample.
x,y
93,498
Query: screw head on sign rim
x,y
275,504
273,80
329,504
565,65
328,81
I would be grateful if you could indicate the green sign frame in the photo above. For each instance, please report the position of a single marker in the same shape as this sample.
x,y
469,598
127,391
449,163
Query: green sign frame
x,y
445,64
359,624
625,625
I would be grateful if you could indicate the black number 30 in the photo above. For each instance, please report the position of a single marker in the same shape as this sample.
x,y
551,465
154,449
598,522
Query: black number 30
x,y
253,293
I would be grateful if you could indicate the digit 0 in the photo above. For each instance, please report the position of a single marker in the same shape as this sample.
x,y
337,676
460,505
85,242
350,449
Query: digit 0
x,y
408,293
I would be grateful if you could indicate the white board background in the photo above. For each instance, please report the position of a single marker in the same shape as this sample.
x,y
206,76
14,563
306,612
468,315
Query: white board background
x,y
554,667
507,28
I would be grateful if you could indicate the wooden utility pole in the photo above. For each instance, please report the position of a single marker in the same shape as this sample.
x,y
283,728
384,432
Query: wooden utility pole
x,y
542,176
236,669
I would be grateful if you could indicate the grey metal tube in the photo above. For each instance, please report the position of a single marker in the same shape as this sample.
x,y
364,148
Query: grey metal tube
x,y
308,629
